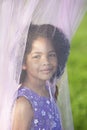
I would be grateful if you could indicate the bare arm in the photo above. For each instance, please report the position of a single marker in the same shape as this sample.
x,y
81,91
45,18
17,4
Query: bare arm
x,y
22,115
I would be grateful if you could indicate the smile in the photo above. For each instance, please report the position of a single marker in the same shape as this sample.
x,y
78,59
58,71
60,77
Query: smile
x,y
46,71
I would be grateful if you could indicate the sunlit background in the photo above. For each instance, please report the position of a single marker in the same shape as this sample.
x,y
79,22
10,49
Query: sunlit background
x,y
77,75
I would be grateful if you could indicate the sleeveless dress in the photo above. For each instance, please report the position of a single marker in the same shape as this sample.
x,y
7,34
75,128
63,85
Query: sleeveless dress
x,y
46,113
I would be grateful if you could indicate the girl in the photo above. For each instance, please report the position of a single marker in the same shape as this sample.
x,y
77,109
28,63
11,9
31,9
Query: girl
x,y
46,53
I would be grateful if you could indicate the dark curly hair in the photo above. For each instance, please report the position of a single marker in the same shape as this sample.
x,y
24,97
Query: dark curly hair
x,y
58,39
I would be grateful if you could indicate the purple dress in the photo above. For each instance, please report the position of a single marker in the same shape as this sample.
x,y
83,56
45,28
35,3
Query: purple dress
x,y
46,113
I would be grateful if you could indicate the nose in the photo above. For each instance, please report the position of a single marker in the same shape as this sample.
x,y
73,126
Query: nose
x,y
45,61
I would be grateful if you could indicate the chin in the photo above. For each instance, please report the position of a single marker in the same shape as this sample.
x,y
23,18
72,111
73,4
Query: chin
x,y
44,78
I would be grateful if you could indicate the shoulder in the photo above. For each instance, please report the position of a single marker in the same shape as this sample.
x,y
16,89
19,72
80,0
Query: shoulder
x,y
23,106
23,112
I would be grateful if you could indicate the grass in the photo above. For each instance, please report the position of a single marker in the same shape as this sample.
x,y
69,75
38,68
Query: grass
x,y
77,75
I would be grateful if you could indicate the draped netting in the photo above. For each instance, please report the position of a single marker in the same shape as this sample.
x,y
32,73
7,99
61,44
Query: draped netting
x,y
15,18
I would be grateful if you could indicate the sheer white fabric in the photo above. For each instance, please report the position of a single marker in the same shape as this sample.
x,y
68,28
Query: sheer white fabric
x,y
15,18
65,14
64,102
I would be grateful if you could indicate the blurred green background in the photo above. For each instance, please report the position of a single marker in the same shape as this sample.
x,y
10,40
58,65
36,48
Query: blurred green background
x,y
77,75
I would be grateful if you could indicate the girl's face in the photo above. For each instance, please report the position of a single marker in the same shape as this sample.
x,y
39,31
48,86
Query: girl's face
x,y
41,62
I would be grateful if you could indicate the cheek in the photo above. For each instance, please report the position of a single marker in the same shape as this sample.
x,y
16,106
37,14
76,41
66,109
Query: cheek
x,y
55,62
55,65
34,66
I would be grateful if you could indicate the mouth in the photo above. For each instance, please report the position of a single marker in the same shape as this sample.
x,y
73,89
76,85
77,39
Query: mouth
x,y
47,70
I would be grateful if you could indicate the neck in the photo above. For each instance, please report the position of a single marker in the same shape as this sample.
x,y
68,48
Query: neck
x,y
34,83
37,86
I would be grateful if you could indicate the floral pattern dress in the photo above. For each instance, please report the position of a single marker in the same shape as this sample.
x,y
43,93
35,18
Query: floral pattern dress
x,y
46,113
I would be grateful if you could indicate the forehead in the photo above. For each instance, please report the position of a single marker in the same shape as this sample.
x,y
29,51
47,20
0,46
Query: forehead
x,y
42,44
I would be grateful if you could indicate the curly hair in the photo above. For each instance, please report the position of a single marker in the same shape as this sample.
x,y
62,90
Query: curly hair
x,y
58,40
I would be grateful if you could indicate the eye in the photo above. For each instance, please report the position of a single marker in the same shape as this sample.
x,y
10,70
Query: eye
x,y
36,57
52,54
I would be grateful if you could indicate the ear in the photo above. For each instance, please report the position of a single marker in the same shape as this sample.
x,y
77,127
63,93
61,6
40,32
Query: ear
x,y
24,67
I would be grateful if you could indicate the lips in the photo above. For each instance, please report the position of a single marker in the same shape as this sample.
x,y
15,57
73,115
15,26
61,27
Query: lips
x,y
47,70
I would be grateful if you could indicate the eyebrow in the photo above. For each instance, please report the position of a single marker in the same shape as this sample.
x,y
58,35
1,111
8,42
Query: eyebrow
x,y
42,52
